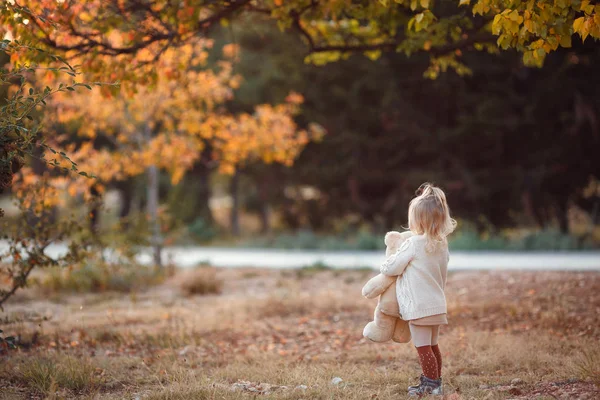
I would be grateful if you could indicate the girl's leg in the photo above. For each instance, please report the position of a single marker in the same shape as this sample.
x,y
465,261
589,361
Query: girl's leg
x,y
428,362
436,349
438,356
421,337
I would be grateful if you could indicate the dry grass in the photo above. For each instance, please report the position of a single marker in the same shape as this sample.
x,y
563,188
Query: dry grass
x,y
202,281
587,365
46,373
277,336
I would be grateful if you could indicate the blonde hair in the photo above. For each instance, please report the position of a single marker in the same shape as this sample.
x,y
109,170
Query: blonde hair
x,y
429,215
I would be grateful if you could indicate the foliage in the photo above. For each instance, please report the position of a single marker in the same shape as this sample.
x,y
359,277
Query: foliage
x,y
20,137
19,131
28,239
202,231
507,150
124,30
464,240
94,276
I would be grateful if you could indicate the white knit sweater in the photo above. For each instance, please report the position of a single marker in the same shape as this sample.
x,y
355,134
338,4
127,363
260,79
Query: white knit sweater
x,y
421,277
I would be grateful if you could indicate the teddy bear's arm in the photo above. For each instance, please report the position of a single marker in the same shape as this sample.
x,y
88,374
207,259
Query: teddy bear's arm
x,y
397,262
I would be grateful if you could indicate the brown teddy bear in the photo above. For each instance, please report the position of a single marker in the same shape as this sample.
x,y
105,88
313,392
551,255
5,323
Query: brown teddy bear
x,y
387,322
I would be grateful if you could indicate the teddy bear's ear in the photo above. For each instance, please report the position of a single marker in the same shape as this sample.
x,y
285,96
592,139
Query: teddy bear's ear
x,y
391,237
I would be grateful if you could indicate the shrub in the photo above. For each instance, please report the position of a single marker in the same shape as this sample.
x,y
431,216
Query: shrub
x,y
369,241
311,270
202,230
202,281
95,276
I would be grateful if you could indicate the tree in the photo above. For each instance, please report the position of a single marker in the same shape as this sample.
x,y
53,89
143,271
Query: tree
x,y
169,123
332,29
20,139
497,140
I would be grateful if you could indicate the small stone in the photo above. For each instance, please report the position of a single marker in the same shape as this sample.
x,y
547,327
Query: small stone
x,y
301,387
185,350
483,387
336,381
516,382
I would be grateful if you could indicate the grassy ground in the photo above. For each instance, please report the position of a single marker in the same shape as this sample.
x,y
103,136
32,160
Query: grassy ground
x,y
286,335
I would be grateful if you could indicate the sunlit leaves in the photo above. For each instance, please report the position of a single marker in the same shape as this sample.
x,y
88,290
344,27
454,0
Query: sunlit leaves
x,y
537,28
169,122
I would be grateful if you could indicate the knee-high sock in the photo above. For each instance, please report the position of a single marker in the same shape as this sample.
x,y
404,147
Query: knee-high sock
x,y
428,362
438,356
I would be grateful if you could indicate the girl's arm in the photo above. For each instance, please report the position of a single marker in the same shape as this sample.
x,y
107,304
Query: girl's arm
x,y
397,262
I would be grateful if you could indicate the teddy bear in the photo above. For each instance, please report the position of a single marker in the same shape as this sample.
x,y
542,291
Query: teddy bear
x,y
387,323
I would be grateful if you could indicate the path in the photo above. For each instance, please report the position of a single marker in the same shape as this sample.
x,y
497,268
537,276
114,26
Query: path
x,y
459,260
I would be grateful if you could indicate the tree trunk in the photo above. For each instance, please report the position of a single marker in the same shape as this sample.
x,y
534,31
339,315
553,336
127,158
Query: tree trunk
x,y
563,217
235,204
202,172
126,189
152,210
95,205
264,209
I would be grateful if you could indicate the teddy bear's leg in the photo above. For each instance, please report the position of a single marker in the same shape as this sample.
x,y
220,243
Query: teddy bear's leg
x,y
401,331
388,302
381,329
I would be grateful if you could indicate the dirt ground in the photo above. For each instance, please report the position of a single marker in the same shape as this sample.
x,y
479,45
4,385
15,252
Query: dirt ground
x,y
288,334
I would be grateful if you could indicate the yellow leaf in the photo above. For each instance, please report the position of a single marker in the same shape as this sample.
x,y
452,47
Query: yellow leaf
x,y
578,24
427,45
464,2
514,16
565,40
425,3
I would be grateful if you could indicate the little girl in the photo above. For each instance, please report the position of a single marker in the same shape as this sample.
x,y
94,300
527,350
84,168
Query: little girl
x,y
421,264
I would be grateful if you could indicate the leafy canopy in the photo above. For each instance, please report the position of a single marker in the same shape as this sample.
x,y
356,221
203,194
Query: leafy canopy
x,y
332,29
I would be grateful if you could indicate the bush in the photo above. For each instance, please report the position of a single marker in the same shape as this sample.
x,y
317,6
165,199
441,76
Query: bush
x,y
202,281
369,241
310,270
202,230
470,240
95,276
465,239
547,240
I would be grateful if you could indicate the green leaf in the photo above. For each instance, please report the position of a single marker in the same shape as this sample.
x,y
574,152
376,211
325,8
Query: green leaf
x,y
30,91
